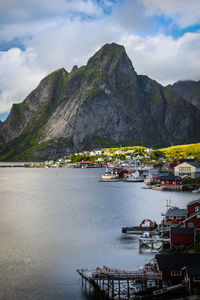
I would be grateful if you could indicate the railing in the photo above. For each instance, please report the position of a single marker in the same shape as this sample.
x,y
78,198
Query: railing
x,y
110,273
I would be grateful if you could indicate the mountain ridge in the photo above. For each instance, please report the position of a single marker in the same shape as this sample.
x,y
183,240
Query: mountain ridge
x,y
101,104
188,90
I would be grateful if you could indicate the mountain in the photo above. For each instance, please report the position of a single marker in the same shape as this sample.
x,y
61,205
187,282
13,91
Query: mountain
x,y
188,90
102,104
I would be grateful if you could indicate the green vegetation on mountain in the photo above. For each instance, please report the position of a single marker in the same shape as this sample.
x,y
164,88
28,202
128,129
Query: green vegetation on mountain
x,y
184,151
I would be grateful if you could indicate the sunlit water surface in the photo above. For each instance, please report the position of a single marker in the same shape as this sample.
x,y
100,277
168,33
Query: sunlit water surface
x,y
53,221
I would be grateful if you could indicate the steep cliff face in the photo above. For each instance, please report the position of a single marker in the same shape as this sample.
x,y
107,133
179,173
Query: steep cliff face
x,y
104,103
188,90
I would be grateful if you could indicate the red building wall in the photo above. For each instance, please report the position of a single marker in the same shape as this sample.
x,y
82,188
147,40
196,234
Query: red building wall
x,y
195,221
171,182
191,208
175,219
186,239
167,276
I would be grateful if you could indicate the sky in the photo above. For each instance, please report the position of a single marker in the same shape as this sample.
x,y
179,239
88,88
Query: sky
x,y
161,37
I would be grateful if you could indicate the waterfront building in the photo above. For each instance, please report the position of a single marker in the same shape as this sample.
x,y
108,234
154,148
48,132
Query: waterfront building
x,y
189,169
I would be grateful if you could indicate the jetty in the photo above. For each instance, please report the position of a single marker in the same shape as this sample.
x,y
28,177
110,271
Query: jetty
x,y
121,284
151,229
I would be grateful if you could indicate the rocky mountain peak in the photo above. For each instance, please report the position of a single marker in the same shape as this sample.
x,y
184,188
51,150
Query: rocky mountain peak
x,y
110,58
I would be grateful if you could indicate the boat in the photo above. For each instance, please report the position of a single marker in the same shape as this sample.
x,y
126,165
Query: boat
x,y
132,178
148,181
110,176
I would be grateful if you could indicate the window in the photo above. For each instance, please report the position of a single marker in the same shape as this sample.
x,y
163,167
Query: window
x,y
191,225
197,208
184,169
175,273
196,279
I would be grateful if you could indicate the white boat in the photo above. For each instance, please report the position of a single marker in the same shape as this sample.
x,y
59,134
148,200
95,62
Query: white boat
x,y
110,176
132,178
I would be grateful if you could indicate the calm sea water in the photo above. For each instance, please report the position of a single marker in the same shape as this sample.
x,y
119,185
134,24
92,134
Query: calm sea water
x,y
53,221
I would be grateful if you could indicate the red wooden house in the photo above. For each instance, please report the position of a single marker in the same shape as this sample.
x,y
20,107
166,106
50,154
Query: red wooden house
x,y
193,206
193,216
182,236
170,265
193,221
175,215
170,180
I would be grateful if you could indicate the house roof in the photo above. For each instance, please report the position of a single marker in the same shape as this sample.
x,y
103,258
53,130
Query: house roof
x,y
175,211
194,164
182,230
169,177
193,270
175,262
194,201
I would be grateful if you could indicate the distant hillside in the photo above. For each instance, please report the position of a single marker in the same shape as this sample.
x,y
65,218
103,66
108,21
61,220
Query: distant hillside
x,y
185,151
188,90
102,104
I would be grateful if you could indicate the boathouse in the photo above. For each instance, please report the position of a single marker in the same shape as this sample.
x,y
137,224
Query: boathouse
x,y
182,236
175,215
170,265
170,180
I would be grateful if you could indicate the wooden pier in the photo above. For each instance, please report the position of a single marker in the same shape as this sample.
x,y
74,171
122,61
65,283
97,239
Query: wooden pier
x,y
120,284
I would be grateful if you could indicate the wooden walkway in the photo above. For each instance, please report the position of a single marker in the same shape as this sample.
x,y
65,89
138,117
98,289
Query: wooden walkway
x,y
120,284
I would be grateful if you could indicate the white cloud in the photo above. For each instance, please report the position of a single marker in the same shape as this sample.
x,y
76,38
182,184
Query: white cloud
x,y
55,35
131,15
163,58
184,13
59,44
19,74
28,18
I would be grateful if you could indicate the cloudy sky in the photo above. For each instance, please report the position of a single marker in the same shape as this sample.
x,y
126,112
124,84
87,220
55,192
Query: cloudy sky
x,y
161,37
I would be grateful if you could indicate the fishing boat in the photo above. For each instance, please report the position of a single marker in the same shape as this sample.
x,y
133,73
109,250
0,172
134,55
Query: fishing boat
x,y
110,176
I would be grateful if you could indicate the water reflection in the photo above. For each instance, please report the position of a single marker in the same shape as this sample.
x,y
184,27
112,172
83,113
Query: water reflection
x,y
55,221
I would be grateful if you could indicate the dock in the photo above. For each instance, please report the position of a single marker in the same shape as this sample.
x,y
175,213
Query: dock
x,y
120,284
151,243
139,230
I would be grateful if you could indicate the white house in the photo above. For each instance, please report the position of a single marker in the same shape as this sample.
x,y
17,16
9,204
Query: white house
x,y
68,160
100,159
190,169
